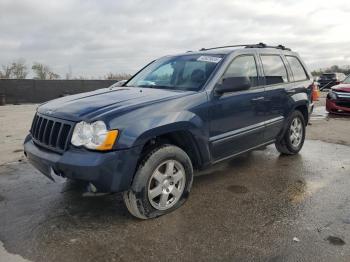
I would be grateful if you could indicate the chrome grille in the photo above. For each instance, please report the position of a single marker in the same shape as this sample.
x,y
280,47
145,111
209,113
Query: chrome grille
x,y
51,133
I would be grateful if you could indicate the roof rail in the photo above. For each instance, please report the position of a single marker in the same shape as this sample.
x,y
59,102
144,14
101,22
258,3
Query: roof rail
x,y
260,45
219,47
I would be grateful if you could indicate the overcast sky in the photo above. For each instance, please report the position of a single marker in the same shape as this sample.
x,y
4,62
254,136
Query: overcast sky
x,y
95,37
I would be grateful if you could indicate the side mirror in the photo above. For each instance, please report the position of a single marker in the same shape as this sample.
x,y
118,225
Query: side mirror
x,y
232,84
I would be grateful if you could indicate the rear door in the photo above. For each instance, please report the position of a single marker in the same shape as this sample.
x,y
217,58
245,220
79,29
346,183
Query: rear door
x,y
302,81
277,90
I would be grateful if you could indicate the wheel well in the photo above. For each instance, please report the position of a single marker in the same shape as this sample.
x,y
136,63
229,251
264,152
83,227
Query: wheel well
x,y
182,139
304,111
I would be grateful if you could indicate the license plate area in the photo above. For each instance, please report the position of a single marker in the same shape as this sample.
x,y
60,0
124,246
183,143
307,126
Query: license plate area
x,y
45,168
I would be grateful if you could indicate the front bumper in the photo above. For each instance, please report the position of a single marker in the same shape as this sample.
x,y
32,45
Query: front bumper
x,y
108,171
334,106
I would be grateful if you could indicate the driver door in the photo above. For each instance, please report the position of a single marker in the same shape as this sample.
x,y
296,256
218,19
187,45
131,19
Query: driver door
x,y
237,118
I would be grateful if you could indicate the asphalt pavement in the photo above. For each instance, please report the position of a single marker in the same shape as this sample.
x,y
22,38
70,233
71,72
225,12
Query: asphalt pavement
x,y
258,207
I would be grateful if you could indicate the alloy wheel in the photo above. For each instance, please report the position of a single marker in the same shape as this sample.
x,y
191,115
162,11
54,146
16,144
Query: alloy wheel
x,y
166,184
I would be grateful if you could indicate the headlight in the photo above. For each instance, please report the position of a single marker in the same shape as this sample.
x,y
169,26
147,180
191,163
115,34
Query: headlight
x,y
93,136
332,95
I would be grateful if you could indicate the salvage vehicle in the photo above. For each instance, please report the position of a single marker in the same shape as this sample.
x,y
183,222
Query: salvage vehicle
x,y
327,80
179,114
338,98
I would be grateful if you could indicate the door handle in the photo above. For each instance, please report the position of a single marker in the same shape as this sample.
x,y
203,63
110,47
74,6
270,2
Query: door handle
x,y
258,99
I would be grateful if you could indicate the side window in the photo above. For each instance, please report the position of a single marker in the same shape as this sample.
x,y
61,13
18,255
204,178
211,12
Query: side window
x,y
297,68
274,69
243,66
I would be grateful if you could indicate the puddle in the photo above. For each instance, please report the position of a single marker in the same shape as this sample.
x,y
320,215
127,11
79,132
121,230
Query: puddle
x,y
237,189
296,191
335,241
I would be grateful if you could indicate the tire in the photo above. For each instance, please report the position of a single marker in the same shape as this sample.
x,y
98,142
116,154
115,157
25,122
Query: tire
x,y
162,183
289,144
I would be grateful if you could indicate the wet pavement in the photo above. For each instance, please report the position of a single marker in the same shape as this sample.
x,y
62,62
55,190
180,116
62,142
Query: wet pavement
x,y
258,207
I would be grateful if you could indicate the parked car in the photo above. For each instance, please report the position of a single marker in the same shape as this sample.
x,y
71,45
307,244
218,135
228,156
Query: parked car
x,y
338,99
178,114
327,80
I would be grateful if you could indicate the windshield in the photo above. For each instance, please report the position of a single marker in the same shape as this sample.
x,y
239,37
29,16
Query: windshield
x,y
186,72
347,80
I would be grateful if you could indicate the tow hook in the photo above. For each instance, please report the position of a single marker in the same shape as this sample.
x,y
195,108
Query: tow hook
x,y
92,188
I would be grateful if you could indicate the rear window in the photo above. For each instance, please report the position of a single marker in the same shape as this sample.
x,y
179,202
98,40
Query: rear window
x,y
297,68
274,69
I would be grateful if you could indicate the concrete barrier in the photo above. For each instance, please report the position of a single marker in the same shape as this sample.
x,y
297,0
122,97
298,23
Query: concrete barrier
x,y
38,91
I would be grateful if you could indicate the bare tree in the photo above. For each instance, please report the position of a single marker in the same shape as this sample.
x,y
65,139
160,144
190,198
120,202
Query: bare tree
x,y
53,76
43,72
332,69
19,69
15,70
117,76
6,72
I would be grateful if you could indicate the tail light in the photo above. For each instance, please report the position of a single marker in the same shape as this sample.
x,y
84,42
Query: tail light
x,y
315,95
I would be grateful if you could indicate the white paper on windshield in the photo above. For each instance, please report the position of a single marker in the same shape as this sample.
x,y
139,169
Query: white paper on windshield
x,y
210,59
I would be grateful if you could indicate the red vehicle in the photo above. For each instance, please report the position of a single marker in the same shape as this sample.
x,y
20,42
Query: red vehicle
x,y
338,99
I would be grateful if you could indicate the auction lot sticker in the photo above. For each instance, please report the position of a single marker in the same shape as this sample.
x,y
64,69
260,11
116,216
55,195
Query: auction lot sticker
x,y
210,59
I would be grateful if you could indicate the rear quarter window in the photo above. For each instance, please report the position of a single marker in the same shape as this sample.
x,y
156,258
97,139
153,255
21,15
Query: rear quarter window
x,y
297,68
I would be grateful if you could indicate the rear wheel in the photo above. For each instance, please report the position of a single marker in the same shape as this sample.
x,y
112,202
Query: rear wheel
x,y
162,183
294,136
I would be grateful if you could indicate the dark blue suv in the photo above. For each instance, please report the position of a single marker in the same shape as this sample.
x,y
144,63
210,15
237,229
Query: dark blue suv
x,y
178,114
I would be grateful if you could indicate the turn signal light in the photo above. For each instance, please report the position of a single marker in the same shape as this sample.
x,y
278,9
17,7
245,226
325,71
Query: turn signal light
x,y
109,141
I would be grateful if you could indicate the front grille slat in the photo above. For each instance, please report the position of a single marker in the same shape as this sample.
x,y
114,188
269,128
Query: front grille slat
x,y
68,136
47,132
51,133
37,128
55,132
35,120
63,136
59,136
42,129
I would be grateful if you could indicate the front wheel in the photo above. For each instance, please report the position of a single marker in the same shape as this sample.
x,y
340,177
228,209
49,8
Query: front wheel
x,y
294,136
161,184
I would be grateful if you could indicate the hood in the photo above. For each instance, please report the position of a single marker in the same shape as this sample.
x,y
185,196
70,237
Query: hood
x,y
342,88
91,104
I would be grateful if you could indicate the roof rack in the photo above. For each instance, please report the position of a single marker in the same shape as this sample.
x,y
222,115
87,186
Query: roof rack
x,y
260,45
